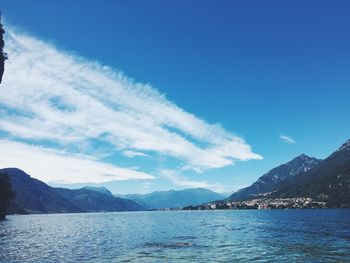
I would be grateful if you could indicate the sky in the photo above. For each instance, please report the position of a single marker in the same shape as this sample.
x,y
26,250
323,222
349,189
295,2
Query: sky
x,y
140,96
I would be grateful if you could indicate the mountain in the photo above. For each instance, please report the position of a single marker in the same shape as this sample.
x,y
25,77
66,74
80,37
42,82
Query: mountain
x,y
34,196
174,198
102,190
329,181
272,179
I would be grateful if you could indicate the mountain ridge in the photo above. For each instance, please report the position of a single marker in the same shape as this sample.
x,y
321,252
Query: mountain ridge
x,y
325,185
329,181
34,196
174,198
270,180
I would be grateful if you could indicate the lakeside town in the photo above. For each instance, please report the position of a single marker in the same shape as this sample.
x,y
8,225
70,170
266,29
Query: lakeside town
x,y
262,203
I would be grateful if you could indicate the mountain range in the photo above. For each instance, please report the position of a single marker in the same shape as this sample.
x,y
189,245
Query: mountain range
x,y
174,198
325,180
271,180
329,181
34,196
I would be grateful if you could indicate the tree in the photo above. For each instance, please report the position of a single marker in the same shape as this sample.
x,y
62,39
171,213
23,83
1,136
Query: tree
x,y
5,193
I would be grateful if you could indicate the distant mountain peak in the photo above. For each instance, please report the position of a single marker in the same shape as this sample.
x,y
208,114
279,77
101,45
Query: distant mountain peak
x,y
102,190
345,146
175,198
15,171
304,156
302,161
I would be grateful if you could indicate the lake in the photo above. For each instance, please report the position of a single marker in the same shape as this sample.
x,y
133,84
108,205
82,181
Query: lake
x,y
179,236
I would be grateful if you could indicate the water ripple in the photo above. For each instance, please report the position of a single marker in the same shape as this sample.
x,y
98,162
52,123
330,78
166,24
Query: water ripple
x,y
186,236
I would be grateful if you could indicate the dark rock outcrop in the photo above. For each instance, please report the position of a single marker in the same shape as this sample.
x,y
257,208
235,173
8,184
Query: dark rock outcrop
x,y
5,193
3,55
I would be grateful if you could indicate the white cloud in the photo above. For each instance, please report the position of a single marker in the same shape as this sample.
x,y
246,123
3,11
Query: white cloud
x,y
62,167
132,154
180,180
51,95
287,139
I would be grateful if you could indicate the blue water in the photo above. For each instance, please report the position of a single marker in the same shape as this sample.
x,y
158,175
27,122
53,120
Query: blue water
x,y
183,236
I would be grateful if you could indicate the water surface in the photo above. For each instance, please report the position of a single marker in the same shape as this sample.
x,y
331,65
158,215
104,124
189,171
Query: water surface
x,y
183,236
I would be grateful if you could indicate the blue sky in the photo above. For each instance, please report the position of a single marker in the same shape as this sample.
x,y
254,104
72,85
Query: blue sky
x,y
199,77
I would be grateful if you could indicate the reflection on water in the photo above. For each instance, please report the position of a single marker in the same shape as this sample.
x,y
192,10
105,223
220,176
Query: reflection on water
x,y
169,245
185,236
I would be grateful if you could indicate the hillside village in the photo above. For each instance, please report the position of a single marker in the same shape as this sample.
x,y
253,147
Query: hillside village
x,y
262,203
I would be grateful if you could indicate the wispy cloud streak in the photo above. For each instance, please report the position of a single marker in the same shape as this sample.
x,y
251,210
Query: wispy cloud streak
x,y
183,181
51,95
287,139
62,167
